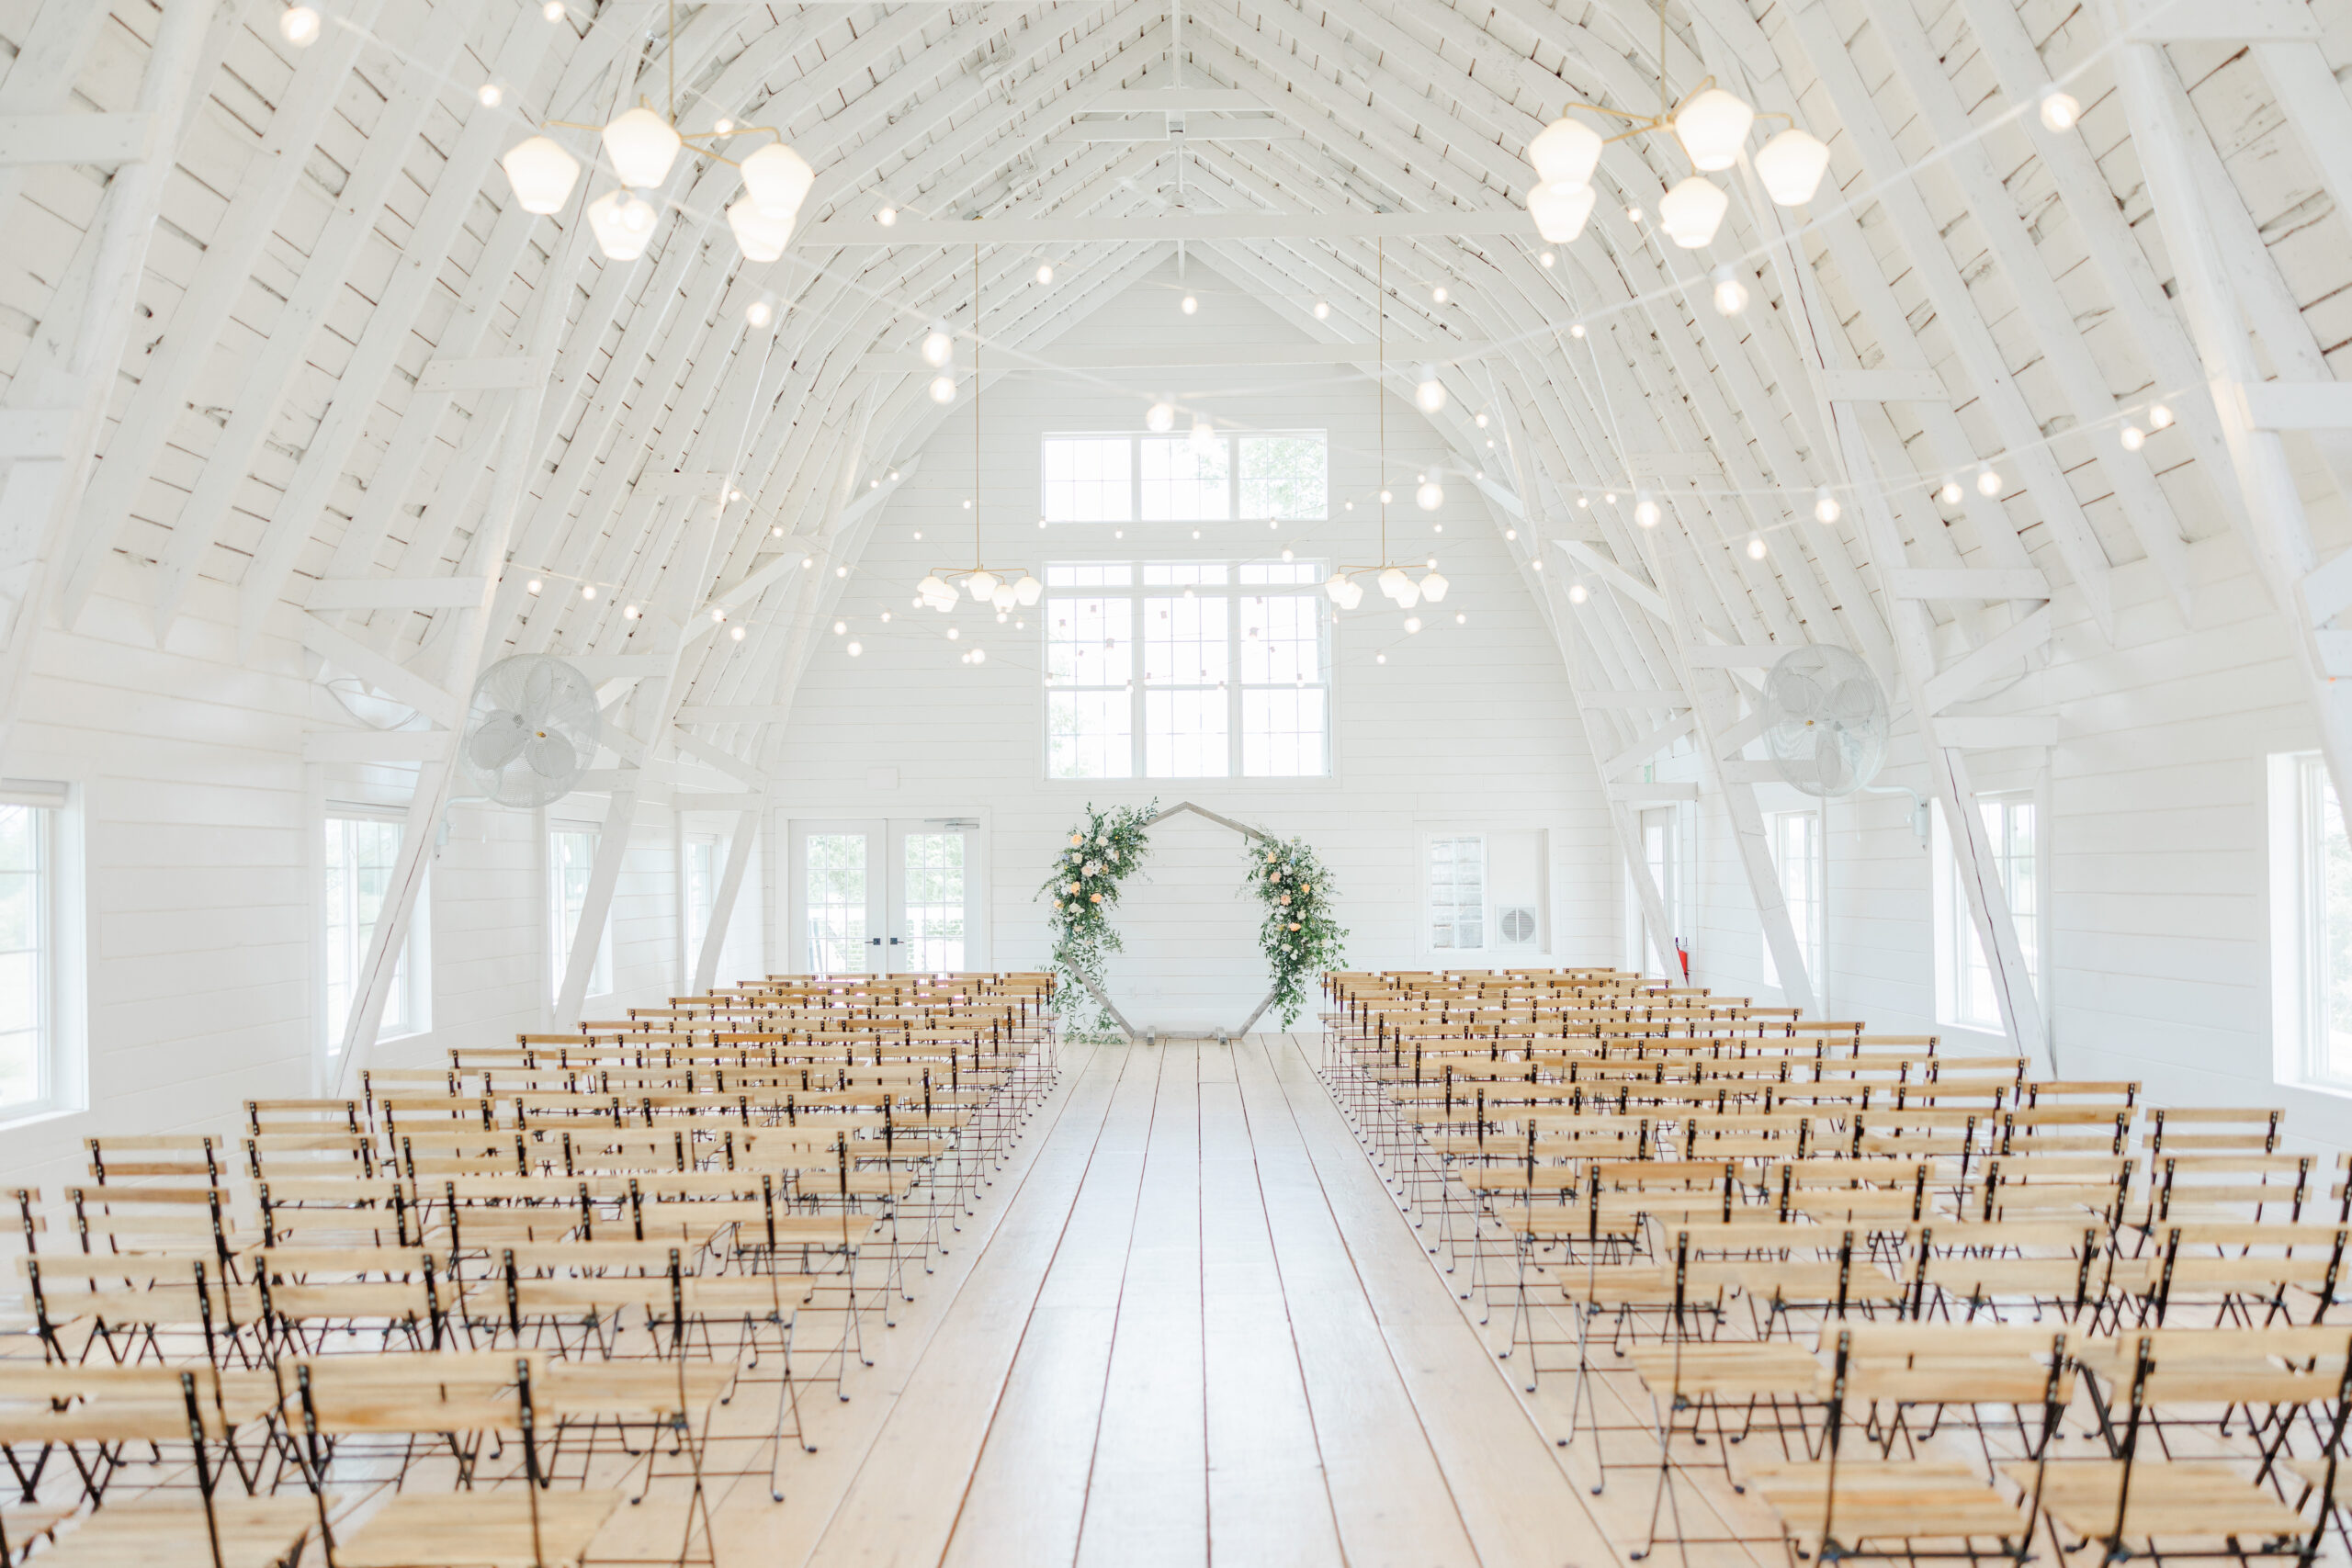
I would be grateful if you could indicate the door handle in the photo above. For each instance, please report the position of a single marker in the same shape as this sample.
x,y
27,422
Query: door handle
x,y
894,941
875,941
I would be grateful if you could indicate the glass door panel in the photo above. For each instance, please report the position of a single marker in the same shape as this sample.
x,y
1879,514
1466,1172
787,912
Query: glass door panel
x,y
836,897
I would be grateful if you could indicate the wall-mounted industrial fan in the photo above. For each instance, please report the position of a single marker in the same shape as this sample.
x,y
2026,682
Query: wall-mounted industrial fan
x,y
531,730
1825,720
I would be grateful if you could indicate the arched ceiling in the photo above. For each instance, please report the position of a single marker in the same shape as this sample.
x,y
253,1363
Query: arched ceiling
x,y
355,384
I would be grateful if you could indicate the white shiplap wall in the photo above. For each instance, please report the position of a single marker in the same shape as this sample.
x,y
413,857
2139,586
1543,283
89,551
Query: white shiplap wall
x,y
1465,726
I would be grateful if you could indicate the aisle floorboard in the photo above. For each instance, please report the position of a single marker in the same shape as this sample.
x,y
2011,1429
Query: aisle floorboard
x,y
1186,1325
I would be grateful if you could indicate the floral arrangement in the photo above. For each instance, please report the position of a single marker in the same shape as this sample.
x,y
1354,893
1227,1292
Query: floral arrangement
x,y
1299,937
1084,886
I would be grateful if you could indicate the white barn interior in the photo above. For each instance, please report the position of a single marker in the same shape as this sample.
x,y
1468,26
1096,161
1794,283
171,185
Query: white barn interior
x,y
1192,318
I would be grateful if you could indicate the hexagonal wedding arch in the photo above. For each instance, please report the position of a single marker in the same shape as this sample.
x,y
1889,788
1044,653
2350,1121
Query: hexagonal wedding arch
x,y
1253,835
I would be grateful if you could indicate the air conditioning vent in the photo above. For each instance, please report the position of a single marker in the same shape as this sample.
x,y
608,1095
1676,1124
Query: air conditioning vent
x,y
1518,924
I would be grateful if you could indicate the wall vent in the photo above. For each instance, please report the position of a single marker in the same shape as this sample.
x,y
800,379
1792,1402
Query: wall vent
x,y
1518,925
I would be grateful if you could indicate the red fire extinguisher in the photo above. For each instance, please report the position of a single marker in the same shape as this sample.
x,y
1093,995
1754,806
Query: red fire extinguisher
x,y
1683,953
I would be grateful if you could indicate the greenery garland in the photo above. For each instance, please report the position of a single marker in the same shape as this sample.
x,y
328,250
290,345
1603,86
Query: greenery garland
x,y
1298,937
1084,885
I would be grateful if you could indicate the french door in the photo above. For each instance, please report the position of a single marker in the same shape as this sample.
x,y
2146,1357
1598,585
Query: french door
x,y
874,895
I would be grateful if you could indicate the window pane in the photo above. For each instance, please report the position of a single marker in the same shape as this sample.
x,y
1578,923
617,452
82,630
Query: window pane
x,y
361,852
1085,479
1116,574
1184,478
1283,476
1184,642
1176,573
934,900
1090,735
836,900
1457,892
1184,734
1089,642
1302,571
1282,733
1282,639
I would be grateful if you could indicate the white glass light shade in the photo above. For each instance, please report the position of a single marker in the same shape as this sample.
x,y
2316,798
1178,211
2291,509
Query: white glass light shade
x,y
982,584
1430,496
1692,211
1564,153
1560,211
1354,596
1203,432
1712,126
1004,598
931,587
1433,588
938,348
1160,417
623,224
1393,584
760,237
777,179
542,174
1028,591
1335,586
1409,595
642,146
1791,165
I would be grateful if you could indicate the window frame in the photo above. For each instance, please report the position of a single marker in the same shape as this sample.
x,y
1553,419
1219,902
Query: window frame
x,y
1812,933
558,936
1230,439
1138,595
2299,789
1953,932
414,975
1430,944
61,1043
690,933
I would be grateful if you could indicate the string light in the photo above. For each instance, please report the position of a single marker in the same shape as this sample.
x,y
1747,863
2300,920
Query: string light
x,y
1546,258
1190,305
588,590
552,10
1731,294
2060,108
490,95
2133,438
1646,510
942,389
629,612
532,586
1755,547
855,649
1825,506
1322,309
1045,272
1950,494
938,348
1160,417
2160,416
758,313
298,25
887,217
1437,295
1988,482
1428,392
736,633
1577,593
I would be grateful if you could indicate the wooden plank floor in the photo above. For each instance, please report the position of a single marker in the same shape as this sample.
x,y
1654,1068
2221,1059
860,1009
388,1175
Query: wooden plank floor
x,y
1186,1325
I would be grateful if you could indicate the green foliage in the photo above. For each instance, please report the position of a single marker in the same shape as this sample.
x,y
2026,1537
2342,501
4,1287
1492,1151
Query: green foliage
x,y
1103,851
1298,937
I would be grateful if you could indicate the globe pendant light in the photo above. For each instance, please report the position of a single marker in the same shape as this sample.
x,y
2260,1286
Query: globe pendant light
x,y
1564,153
777,179
642,146
542,174
1791,165
1691,212
623,224
1713,125
760,237
1560,211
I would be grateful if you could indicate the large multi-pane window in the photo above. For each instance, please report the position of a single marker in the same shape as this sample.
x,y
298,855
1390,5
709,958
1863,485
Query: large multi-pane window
x,y
360,854
1795,838
1274,477
702,886
571,858
34,1074
1964,978
1232,676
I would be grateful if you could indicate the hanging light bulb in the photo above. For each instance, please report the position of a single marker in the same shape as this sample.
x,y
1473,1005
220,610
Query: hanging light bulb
x,y
1564,153
931,587
623,224
1577,593
1335,586
542,174
942,389
1988,482
1437,295
1428,392
1825,506
1731,294
758,314
979,656
1028,591
777,180
2060,108
938,348
1755,547
1045,272
642,146
552,10
1393,584
1322,309
1645,511
1430,496
1560,211
1692,211
2159,416
588,590
760,236
1004,598
1353,596
1546,257
490,95
2133,438
735,632
1950,494
1188,304
982,584
1203,432
298,25
631,612
532,586
854,650
1791,165
1433,588
1160,417
1712,127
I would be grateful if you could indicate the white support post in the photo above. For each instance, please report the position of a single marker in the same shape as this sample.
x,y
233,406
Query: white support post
x,y
723,903
596,907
